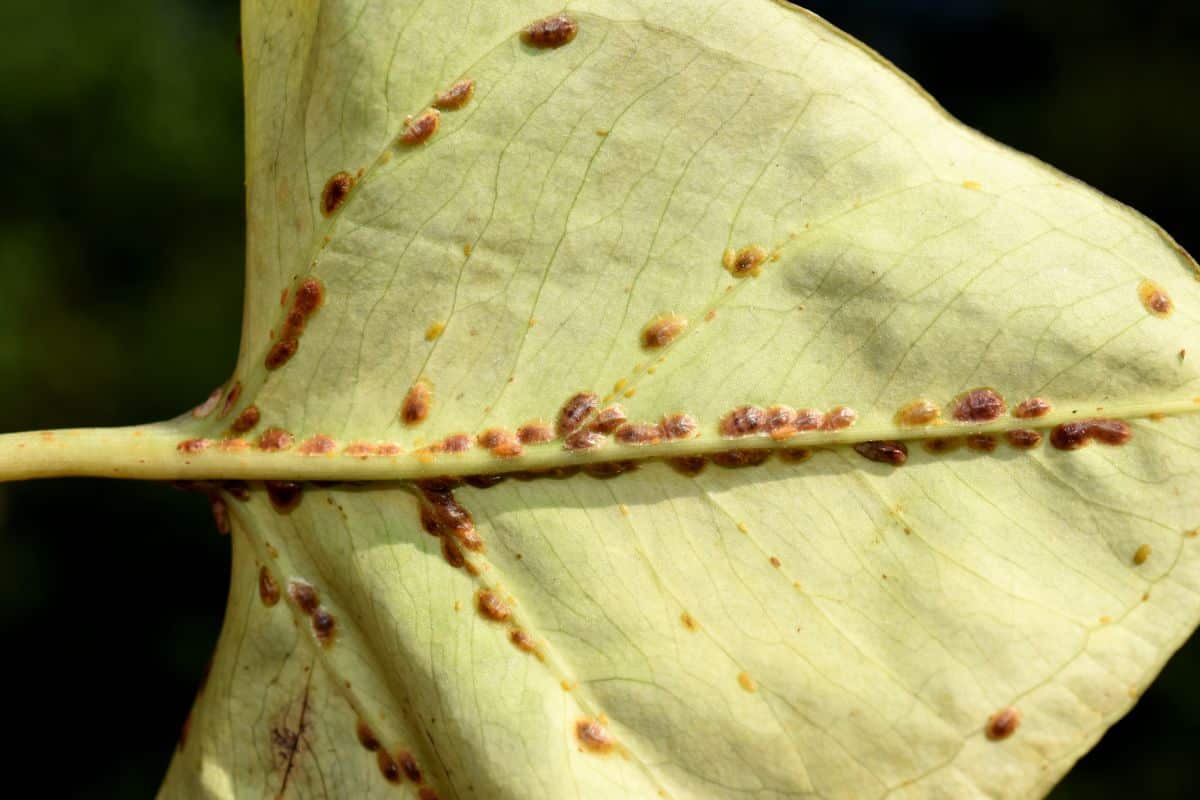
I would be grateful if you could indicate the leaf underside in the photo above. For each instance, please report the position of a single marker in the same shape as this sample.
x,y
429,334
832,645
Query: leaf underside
x,y
817,624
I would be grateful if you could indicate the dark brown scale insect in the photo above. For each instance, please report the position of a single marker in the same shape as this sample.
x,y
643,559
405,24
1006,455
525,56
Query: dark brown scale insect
x,y
409,765
745,262
304,596
483,481
336,190
323,624
733,459
551,32
1077,434
808,419
679,426
231,399
609,469
1002,724
1023,439
246,420
451,552
366,737
577,409
940,446
984,443
795,455
608,420
500,442
663,330
743,421
780,422
416,404
237,490
284,495
535,433
281,352
884,452
192,445
454,443
1032,408
522,640
419,130
688,465
388,766
638,434
979,405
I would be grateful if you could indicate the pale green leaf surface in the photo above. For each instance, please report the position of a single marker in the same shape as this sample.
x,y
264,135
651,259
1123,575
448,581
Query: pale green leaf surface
x,y
916,260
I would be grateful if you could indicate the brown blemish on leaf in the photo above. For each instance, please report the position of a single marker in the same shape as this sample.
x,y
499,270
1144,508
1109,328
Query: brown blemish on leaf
x,y
1078,433
775,562
388,766
609,419
491,606
839,418
456,96
978,405
318,445
419,130
323,625
577,409
1032,408
336,190
594,736
983,443
231,399
535,432
275,439
1155,299
918,413
1023,439
303,595
1142,555
884,452
745,262
192,445
501,442
522,640
746,682
268,590
416,404
743,421
638,434
661,331
434,331
208,406
284,495
689,466
409,765
246,420
734,459
551,32
366,737
1002,724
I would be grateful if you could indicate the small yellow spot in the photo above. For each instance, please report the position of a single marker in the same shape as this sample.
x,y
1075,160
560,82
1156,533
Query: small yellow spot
x,y
467,250
775,562
1142,555
601,132
631,391
619,385
1192,534
434,331
385,158
567,685
532,321
458,605
426,457
747,682
1105,619
651,370
743,527
972,185
624,510
689,621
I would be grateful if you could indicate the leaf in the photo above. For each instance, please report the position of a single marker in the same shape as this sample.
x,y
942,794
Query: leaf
x,y
693,211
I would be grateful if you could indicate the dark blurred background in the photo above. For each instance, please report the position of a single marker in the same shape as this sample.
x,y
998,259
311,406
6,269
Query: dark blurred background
x,y
120,302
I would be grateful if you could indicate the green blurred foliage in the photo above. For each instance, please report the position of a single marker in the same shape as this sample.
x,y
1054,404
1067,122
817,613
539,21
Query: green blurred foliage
x,y
120,302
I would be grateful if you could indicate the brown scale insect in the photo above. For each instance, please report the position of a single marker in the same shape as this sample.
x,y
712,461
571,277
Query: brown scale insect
x,y
978,405
275,439
1023,439
284,495
883,452
1079,433
1155,299
309,297
661,331
366,737
192,445
594,736
336,190
780,422
551,32
839,418
231,399
522,640
808,419
388,766
416,404
456,96
1002,724
442,514
318,445
304,596
426,793
409,765
795,455
237,489
940,446
679,426
638,434
500,442
585,439
451,552
454,443
535,432
690,466
419,130
246,420
734,459
984,443
484,481
578,408
1032,408
743,421
608,420
918,413
281,352
491,606
268,590
323,624
609,469
746,262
